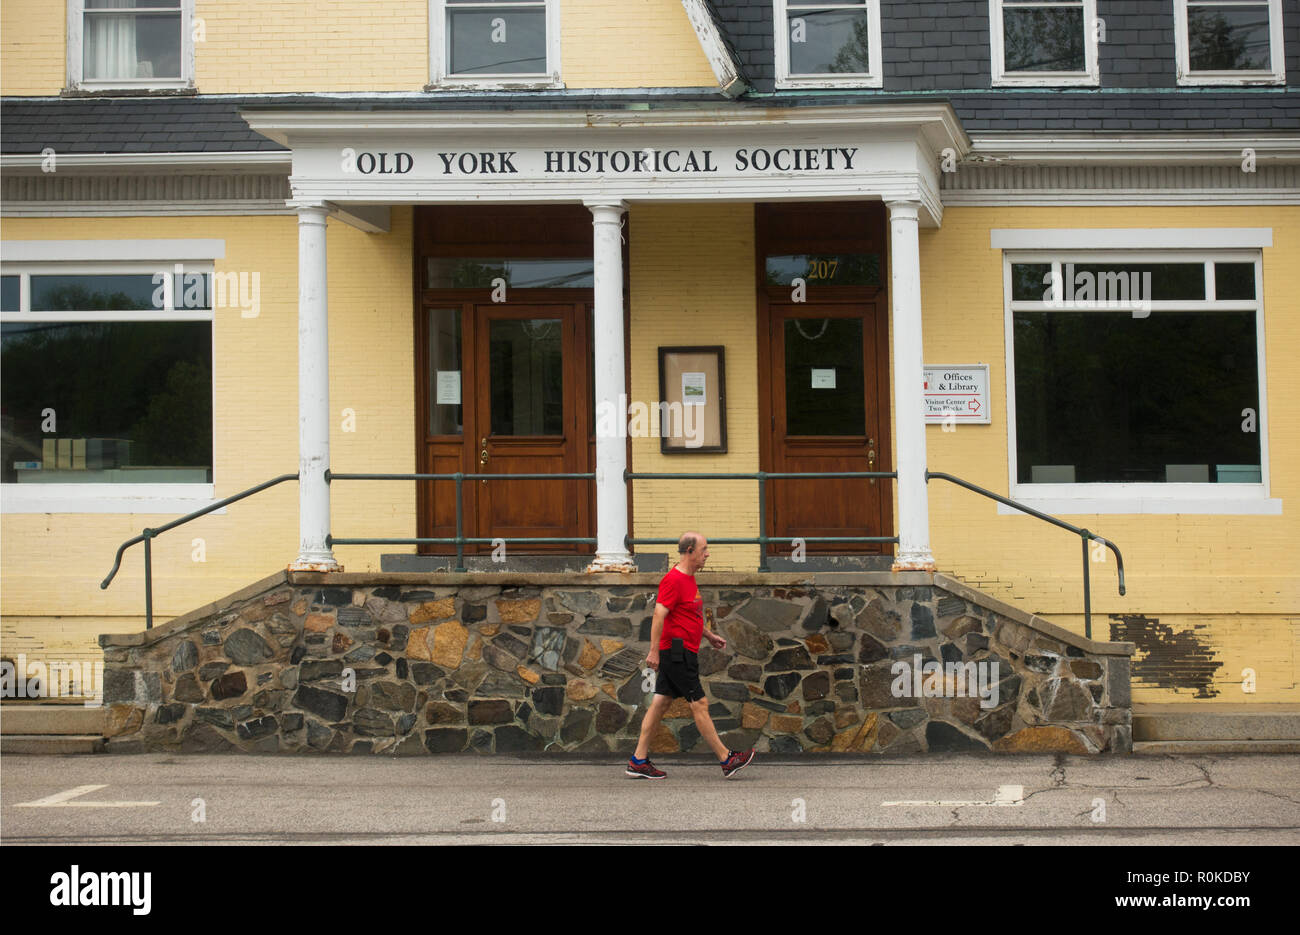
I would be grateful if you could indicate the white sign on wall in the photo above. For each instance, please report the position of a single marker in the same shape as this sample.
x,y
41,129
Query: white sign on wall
x,y
959,392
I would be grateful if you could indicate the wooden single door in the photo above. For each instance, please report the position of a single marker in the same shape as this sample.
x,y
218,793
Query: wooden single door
x,y
827,398
530,415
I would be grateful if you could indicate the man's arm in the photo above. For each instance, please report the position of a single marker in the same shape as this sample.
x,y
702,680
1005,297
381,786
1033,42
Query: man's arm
x,y
656,631
717,640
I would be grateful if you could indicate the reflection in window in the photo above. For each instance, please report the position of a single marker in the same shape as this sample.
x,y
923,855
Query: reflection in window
x,y
106,402
131,39
446,382
824,377
1110,397
496,38
527,376
1228,37
471,273
824,269
1046,37
828,38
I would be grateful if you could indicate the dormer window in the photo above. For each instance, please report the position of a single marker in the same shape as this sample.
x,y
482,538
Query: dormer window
x,y
1044,42
828,45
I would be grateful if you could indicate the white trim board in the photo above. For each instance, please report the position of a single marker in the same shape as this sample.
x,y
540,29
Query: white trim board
x,y
40,251
107,498
1101,506
1154,238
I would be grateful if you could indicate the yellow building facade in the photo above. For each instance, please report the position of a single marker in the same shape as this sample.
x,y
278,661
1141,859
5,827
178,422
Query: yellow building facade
x,y
1212,596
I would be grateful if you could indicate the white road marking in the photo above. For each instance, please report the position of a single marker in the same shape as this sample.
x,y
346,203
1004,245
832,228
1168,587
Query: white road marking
x,y
62,800
1006,795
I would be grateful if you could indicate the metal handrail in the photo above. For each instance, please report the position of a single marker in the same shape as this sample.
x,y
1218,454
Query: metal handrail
x,y
762,539
1078,531
460,538
149,534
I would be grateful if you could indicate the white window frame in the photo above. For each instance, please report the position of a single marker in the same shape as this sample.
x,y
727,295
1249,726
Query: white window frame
x,y
781,39
76,57
1276,72
1089,77
1144,246
439,78
81,257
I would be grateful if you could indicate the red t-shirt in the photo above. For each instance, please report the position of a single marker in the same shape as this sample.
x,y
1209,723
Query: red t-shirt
x,y
680,594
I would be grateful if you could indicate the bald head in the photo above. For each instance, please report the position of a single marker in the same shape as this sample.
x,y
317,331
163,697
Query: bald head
x,y
694,551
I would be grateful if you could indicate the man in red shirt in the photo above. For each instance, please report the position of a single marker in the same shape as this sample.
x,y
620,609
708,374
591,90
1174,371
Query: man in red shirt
x,y
675,635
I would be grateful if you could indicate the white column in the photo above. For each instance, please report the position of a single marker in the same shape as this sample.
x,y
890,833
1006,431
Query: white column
x,y
909,376
611,448
313,394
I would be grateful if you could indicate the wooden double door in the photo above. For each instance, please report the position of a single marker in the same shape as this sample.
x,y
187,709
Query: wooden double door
x,y
505,388
824,398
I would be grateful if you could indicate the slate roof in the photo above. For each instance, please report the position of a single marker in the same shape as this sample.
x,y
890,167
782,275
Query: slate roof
x,y
929,45
213,125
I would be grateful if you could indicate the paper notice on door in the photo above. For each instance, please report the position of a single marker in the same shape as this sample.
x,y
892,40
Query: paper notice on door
x,y
448,393
693,389
823,379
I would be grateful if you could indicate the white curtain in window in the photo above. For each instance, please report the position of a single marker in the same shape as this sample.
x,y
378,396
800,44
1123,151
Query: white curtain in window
x,y
110,43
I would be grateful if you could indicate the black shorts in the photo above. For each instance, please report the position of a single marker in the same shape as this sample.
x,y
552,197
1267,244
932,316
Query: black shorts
x,y
680,677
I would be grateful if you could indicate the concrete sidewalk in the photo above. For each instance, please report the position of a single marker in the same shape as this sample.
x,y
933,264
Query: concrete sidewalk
x,y
1227,799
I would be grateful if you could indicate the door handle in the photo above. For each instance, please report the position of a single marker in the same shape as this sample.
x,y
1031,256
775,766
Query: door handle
x,y
871,457
483,460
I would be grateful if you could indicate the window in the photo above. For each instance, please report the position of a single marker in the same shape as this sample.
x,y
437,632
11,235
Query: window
x,y
479,44
1229,41
1135,380
828,45
1044,42
130,44
106,382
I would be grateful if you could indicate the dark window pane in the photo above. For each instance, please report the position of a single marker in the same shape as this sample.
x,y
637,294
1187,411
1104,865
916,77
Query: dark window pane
x,y
10,293
132,45
1043,39
134,292
1228,38
824,269
1133,281
1106,397
132,4
829,41
461,273
131,401
508,41
445,375
823,377
1234,280
1031,282
527,375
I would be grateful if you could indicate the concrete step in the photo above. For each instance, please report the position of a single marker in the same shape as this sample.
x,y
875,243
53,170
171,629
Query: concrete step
x,y
1178,747
51,744
51,720
1224,722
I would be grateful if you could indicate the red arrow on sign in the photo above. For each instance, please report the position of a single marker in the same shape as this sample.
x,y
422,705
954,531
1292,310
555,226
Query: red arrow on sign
x,y
974,405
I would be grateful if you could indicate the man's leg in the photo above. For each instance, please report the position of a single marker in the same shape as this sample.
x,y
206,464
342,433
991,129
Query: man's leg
x,y
652,718
704,723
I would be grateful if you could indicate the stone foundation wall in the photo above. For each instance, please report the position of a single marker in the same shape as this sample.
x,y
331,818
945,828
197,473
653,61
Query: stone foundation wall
x,y
350,663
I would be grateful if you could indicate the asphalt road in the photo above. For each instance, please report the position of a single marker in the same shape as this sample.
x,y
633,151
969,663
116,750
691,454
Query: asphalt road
x,y
938,799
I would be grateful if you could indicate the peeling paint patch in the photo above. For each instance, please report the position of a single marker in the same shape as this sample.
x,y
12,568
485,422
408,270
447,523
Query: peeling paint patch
x,y
1164,658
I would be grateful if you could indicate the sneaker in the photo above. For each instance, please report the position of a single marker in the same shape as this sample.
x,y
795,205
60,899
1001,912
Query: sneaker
x,y
736,762
646,770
